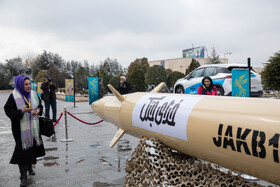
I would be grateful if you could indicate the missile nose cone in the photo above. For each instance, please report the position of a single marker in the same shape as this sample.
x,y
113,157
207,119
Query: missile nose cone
x,y
95,105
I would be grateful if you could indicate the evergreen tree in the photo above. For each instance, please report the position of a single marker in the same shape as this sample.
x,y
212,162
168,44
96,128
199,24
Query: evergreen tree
x,y
214,58
112,66
74,65
137,81
16,66
271,73
193,65
6,77
155,75
44,60
103,73
81,78
168,71
114,81
139,64
93,69
58,76
173,77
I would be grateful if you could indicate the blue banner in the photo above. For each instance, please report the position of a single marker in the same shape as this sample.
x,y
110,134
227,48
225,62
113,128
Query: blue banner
x,y
33,86
92,89
69,98
39,90
240,83
162,63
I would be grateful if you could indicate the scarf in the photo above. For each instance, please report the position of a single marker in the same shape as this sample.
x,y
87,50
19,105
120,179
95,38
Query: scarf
x,y
29,124
19,85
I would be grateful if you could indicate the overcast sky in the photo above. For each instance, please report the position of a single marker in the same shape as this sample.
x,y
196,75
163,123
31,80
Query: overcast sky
x,y
128,29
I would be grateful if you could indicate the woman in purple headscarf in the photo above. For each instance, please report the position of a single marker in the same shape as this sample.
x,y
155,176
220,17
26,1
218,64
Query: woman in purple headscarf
x,y
23,107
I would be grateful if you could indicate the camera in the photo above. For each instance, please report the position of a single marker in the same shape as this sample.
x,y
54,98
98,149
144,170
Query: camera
x,y
49,79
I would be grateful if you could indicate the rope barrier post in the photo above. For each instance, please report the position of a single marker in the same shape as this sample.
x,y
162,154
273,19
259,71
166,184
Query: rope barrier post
x,y
66,130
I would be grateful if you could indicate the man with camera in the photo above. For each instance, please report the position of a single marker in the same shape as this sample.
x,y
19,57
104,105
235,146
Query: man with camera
x,y
49,97
124,86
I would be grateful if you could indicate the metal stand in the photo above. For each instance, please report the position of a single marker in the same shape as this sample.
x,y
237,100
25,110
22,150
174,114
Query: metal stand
x,y
74,93
66,130
249,67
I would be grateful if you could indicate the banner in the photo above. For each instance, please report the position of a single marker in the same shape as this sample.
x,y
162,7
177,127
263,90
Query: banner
x,y
196,52
162,63
240,83
165,114
93,89
69,90
33,86
39,90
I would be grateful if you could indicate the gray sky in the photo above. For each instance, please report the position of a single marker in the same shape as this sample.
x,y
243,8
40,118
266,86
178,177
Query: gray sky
x,y
128,29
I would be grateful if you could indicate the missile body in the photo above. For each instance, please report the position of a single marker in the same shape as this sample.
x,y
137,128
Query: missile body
x,y
237,133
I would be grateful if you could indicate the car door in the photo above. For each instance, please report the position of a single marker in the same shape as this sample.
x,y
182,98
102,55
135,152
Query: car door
x,y
194,81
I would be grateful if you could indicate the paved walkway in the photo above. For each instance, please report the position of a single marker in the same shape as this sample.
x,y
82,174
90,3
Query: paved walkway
x,y
87,161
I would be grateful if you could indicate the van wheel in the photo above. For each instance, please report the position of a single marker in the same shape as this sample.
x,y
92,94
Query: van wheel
x,y
180,90
220,91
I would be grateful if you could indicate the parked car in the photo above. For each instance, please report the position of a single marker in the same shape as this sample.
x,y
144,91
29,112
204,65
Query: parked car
x,y
221,76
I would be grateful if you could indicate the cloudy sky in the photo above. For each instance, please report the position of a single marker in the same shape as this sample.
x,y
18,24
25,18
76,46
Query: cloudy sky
x,y
128,29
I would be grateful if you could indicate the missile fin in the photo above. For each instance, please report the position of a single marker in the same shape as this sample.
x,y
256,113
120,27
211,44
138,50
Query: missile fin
x,y
116,138
116,93
158,88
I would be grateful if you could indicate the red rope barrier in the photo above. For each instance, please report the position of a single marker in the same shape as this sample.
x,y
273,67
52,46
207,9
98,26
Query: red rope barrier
x,y
58,119
84,121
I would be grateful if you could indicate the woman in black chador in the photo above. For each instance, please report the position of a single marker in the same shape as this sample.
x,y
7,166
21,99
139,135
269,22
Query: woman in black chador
x,y
23,107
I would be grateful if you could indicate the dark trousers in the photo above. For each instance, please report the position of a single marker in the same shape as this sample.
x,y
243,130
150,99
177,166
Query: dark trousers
x,y
47,106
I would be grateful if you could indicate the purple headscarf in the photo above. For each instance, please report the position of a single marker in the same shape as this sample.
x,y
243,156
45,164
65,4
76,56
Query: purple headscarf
x,y
19,85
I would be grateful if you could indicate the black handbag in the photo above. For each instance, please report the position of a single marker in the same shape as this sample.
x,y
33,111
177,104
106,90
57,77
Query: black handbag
x,y
46,126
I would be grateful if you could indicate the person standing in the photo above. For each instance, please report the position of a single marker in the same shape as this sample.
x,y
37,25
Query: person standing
x,y
101,91
207,87
124,86
23,107
49,97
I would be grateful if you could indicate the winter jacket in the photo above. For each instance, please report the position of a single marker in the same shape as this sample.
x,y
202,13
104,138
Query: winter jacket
x,y
101,91
48,91
214,91
123,90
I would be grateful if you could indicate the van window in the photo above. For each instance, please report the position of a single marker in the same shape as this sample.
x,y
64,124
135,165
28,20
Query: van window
x,y
210,71
197,73
223,70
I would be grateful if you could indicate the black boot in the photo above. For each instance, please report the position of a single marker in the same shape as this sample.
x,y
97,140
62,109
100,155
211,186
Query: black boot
x,y
30,170
23,175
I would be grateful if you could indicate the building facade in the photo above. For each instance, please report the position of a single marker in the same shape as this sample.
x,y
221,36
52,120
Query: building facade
x,y
181,64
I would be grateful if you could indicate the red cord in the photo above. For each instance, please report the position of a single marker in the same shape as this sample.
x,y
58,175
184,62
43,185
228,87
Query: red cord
x,y
58,119
84,121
